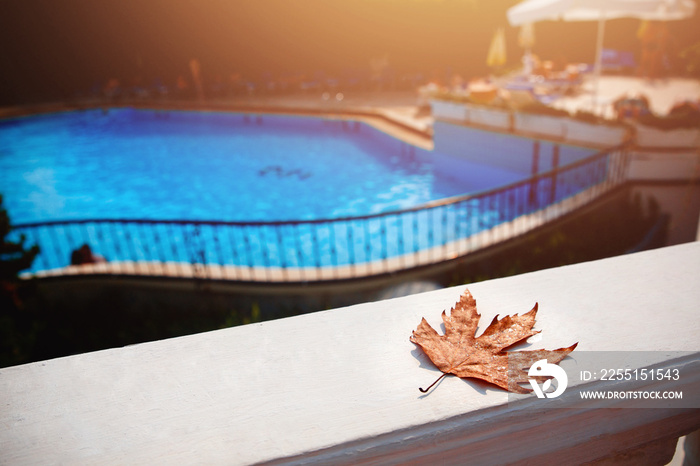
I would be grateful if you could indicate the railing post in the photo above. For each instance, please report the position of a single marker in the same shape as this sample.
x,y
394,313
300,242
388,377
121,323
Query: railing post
x,y
249,255
555,171
534,172
368,241
265,251
445,236
281,251
401,245
237,264
351,247
301,257
385,253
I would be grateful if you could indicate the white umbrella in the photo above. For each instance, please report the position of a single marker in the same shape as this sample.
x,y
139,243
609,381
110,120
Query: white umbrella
x,y
530,11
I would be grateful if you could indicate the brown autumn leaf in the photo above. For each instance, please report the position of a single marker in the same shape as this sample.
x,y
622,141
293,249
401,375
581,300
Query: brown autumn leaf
x,y
461,353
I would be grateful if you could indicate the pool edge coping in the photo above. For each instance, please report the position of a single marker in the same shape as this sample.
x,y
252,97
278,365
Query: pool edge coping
x,y
377,117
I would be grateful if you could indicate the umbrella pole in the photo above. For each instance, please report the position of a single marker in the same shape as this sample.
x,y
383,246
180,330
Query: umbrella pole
x,y
597,68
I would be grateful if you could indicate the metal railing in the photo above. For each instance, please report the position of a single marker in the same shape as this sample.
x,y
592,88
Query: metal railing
x,y
325,249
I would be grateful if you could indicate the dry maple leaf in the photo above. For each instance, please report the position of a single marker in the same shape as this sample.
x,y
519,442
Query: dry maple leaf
x,y
461,353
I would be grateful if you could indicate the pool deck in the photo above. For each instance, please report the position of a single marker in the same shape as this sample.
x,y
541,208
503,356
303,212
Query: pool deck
x,y
402,114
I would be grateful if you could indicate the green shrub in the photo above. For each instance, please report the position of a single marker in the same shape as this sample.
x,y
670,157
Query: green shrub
x,y
18,329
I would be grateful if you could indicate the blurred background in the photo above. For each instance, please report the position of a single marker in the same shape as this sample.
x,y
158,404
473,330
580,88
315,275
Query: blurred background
x,y
66,50
58,49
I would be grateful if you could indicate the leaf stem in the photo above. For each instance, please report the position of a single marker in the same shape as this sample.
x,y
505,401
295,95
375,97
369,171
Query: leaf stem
x,y
424,390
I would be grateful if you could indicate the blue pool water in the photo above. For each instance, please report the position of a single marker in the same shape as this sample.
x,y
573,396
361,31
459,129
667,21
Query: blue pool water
x,y
128,163
249,171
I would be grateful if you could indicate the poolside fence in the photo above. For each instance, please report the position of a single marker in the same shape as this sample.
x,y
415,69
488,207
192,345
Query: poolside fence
x,y
324,249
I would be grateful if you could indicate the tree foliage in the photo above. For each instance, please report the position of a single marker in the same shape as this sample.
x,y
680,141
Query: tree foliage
x,y
14,257
17,328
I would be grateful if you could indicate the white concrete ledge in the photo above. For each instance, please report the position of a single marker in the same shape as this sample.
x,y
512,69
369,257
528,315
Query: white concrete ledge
x,y
340,386
531,125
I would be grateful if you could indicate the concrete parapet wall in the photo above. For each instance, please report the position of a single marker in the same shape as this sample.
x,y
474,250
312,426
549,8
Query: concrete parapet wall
x,y
340,386
664,165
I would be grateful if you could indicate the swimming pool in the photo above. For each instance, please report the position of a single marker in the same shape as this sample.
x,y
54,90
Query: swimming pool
x,y
129,163
251,190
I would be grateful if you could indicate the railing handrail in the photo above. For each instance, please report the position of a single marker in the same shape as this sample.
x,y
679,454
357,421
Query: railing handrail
x,y
425,206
